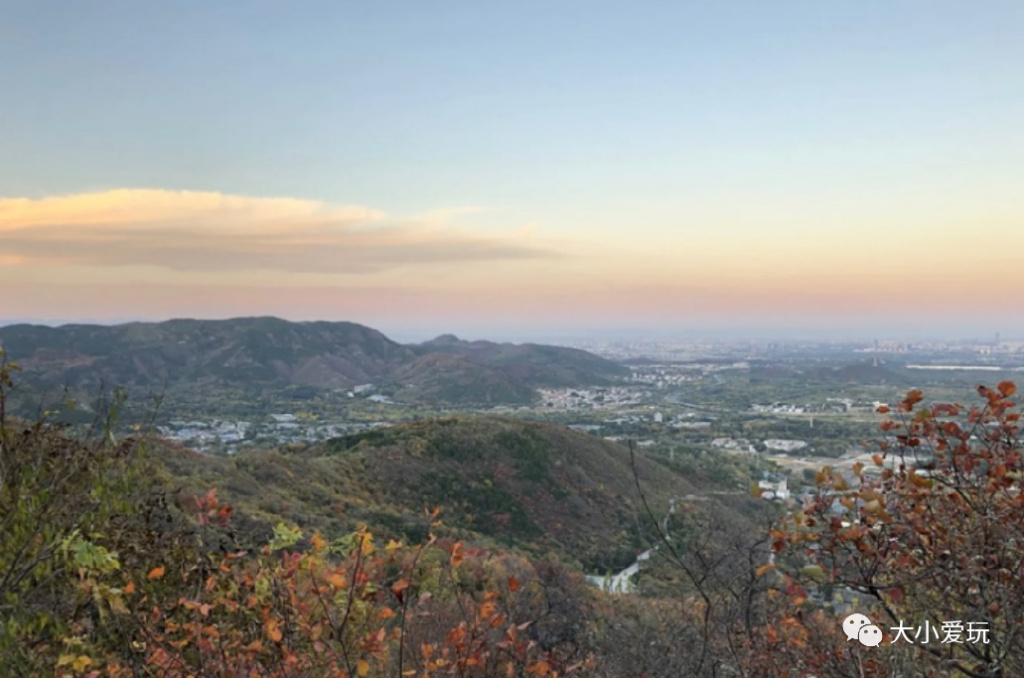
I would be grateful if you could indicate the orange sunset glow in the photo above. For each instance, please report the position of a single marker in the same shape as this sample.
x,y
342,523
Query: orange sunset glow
x,y
153,253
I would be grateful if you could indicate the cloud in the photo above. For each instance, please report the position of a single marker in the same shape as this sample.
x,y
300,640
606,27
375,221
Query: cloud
x,y
204,231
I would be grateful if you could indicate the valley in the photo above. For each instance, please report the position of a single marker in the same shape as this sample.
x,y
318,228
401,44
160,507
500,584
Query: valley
x,y
282,401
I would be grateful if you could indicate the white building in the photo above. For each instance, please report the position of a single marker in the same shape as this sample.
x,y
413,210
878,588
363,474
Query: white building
x,y
778,445
770,490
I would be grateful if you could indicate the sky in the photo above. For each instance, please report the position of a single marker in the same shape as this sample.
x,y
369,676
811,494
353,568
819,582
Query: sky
x,y
500,169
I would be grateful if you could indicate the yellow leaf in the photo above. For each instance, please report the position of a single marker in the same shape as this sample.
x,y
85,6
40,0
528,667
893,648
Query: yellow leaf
x,y
362,667
318,542
392,545
813,571
873,506
919,481
81,663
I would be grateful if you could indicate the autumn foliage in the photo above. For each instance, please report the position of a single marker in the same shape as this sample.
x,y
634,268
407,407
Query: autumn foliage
x,y
105,572
932,531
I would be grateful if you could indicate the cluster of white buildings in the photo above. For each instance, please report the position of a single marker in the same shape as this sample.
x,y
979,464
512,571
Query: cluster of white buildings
x,y
662,376
781,408
227,436
779,445
745,445
734,444
774,490
603,398
227,432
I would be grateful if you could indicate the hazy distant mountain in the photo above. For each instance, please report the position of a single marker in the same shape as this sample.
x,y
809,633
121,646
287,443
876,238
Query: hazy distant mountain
x,y
246,355
533,363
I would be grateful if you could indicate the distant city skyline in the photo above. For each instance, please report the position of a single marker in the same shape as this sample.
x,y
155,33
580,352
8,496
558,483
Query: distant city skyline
x,y
518,169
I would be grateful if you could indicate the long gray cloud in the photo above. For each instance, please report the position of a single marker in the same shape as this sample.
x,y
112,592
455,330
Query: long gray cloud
x,y
212,232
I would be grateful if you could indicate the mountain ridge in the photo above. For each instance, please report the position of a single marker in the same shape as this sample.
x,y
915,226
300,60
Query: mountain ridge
x,y
266,352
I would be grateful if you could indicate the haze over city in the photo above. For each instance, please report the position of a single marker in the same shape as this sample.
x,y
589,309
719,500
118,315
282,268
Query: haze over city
x,y
529,169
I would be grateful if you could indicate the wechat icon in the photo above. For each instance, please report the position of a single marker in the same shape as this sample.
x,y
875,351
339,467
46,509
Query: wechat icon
x,y
859,627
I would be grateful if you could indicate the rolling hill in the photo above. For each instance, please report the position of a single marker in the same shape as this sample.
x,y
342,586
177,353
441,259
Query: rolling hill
x,y
533,363
242,358
539,487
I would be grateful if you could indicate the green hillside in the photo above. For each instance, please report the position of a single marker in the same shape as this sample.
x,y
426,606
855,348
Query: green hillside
x,y
538,487
217,365
535,363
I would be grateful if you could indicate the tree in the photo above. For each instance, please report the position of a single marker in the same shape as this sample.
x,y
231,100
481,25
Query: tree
x,y
934,535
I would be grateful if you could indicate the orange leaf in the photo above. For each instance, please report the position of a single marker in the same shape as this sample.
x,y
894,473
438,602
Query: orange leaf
x,y
541,668
156,573
913,398
362,667
457,555
1007,388
513,584
318,542
272,630
130,588
399,586
338,581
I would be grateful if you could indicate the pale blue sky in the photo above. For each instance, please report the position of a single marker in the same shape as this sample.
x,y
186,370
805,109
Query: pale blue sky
x,y
616,120
536,106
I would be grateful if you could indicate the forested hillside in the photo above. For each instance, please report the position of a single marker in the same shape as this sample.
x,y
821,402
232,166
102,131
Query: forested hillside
x,y
124,557
215,363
